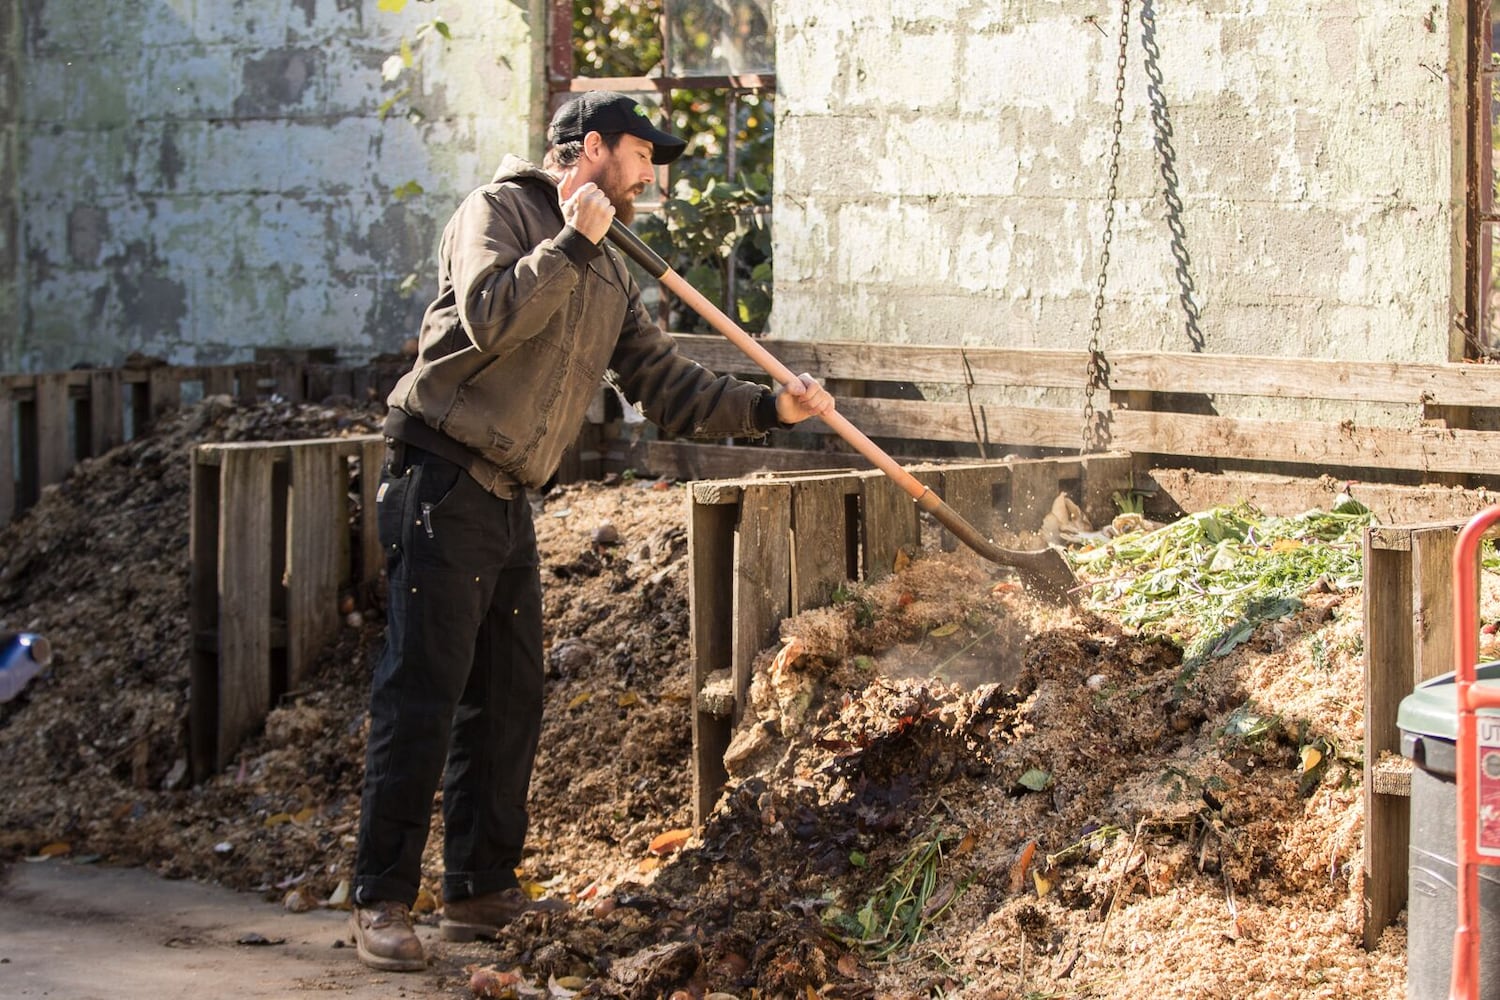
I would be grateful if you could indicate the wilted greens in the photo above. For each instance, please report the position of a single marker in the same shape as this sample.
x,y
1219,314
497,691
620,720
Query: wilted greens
x,y
1208,580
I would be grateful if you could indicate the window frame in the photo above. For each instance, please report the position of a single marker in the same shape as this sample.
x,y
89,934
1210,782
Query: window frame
x,y
563,82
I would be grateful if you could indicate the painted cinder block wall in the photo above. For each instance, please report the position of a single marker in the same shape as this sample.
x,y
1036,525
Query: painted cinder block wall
x,y
192,179
941,173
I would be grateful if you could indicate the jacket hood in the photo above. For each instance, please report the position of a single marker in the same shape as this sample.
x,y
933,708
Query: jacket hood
x,y
513,168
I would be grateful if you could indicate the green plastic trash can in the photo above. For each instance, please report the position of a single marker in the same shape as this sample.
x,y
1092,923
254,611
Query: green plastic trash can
x,y
1428,719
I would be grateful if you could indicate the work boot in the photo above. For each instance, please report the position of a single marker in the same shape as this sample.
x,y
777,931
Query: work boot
x,y
384,938
483,916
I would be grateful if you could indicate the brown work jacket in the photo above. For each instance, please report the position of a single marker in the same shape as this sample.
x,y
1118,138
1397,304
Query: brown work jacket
x,y
528,318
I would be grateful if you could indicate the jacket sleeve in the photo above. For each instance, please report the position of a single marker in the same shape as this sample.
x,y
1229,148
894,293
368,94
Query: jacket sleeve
x,y
506,288
678,394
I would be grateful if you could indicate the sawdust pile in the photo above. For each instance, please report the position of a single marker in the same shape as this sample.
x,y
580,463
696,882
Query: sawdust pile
x,y
939,788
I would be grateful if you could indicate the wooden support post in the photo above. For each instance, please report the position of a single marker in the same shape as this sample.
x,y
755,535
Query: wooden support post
x,y
710,611
1409,622
8,429
203,618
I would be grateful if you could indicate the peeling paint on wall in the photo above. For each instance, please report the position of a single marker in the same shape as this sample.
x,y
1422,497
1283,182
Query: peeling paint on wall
x,y
1285,176
193,180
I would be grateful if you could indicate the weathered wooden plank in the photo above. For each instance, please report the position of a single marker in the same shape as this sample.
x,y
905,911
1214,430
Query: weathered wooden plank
x,y
874,362
203,618
970,491
1323,444
317,554
106,428
1008,426
1176,491
822,542
1104,475
688,460
281,451
1388,646
8,430
1447,385
1433,617
889,523
371,555
1306,378
711,637
244,597
762,577
54,452
1034,485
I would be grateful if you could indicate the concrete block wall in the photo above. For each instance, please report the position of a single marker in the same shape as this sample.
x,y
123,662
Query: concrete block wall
x,y
192,179
941,173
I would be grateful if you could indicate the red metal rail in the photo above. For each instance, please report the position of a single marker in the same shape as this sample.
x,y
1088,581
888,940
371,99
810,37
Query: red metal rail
x,y
1476,845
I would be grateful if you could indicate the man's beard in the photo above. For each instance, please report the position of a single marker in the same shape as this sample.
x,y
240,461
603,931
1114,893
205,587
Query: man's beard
x,y
621,193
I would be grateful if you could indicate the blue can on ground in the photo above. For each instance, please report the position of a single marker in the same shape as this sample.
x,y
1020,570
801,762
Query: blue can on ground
x,y
23,655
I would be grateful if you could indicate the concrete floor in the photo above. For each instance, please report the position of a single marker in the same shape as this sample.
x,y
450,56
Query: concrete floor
x,y
85,932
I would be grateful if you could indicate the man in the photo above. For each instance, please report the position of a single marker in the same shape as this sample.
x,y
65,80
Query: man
x,y
533,307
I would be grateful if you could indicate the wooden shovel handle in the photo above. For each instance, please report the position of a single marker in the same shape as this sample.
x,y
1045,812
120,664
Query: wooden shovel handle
x,y
643,255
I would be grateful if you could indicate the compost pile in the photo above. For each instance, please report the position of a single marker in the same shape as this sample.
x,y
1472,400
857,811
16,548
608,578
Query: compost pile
x,y
938,788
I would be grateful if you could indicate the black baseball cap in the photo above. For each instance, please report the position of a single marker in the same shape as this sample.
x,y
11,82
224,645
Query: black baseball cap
x,y
609,113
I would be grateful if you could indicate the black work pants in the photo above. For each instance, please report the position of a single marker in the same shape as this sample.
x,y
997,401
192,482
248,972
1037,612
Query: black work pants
x,y
457,694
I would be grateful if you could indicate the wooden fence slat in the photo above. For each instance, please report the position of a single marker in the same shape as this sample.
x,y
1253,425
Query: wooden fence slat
x,y
8,485
1323,444
372,556
244,597
1450,385
106,414
821,542
889,521
317,554
1034,486
54,457
762,577
203,619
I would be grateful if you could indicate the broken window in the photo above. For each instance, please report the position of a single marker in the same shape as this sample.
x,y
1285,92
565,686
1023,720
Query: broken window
x,y
707,67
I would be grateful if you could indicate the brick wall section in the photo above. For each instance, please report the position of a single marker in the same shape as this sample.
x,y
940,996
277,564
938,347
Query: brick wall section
x,y
199,179
941,172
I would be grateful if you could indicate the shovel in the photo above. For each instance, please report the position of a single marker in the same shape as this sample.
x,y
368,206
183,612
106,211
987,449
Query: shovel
x,y
1043,571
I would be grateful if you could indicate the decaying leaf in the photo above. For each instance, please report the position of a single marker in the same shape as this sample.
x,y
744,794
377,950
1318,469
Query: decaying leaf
x,y
1311,755
1043,879
1035,779
1019,866
671,840
489,982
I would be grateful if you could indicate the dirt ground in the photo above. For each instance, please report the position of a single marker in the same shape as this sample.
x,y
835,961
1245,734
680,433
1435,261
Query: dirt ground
x,y
941,788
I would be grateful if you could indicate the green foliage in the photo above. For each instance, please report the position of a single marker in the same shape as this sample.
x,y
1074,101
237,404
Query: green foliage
x,y
1211,578
907,903
714,224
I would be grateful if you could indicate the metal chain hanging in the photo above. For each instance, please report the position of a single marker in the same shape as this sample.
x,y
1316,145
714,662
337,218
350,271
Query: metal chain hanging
x,y
1095,427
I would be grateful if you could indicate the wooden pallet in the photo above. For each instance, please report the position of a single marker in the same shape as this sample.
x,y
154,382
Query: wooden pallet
x,y
271,550
764,549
